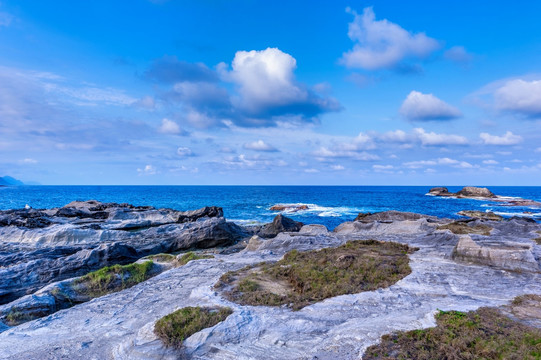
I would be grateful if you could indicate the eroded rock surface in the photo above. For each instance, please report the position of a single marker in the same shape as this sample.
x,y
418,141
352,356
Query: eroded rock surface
x,y
38,247
119,325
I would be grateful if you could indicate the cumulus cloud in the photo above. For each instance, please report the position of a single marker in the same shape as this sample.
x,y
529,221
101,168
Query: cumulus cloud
x,y
424,107
170,127
458,54
184,151
147,170
267,87
381,44
507,139
169,70
260,145
434,139
520,96
490,162
265,91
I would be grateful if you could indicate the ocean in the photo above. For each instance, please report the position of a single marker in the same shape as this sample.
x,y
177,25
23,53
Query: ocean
x,y
327,205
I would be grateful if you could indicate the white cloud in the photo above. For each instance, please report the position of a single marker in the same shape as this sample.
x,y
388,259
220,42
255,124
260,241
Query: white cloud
x,y
423,107
147,170
267,87
440,161
458,54
520,96
311,171
395,136
508,139
434,139
338,167
538,149
382,44
146,102
260,145
93,95
184,151
382,167
324,153
29,161
490,162
169,127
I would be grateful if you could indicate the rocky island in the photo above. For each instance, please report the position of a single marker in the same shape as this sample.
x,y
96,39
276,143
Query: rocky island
x,y
482,193
113,281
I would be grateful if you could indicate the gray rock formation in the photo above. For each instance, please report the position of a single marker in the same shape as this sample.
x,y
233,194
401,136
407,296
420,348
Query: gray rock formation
x,y
38,247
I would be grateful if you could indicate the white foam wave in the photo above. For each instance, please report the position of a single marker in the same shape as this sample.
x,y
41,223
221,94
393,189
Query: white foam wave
x,y
318,210
520,214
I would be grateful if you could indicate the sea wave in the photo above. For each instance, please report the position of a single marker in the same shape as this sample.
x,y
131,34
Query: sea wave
x,y
520,214
305,209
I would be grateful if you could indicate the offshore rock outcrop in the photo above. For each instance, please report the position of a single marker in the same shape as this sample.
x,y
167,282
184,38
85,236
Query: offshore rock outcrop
x,y
38,247
479,193
119,325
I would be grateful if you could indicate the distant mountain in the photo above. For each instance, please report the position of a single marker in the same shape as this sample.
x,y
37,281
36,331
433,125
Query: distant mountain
x,y
9,181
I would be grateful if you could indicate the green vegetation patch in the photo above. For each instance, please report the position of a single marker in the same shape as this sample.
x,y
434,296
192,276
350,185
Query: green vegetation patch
x,y
114,278
189,256
174,328
461,228
482,334
162,257
304,278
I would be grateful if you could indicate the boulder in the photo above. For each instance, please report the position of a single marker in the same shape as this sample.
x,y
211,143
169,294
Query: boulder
x,y
278,225
472,191
440,191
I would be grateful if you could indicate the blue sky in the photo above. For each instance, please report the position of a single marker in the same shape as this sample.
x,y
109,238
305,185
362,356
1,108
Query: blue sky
x,y
252,92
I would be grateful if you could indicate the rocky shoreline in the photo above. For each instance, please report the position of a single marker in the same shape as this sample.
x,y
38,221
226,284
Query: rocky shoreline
x,y
461,265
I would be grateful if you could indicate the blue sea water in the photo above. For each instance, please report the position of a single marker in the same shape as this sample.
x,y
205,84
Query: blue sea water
x,y
328,205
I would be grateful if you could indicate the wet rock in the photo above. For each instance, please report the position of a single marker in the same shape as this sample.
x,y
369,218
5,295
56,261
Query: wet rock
x,y
289,207
278,225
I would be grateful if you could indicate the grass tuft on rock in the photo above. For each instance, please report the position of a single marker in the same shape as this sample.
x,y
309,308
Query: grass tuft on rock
x,y
174,328
304,278
114,278
189,256
482,334
462,228
164,258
